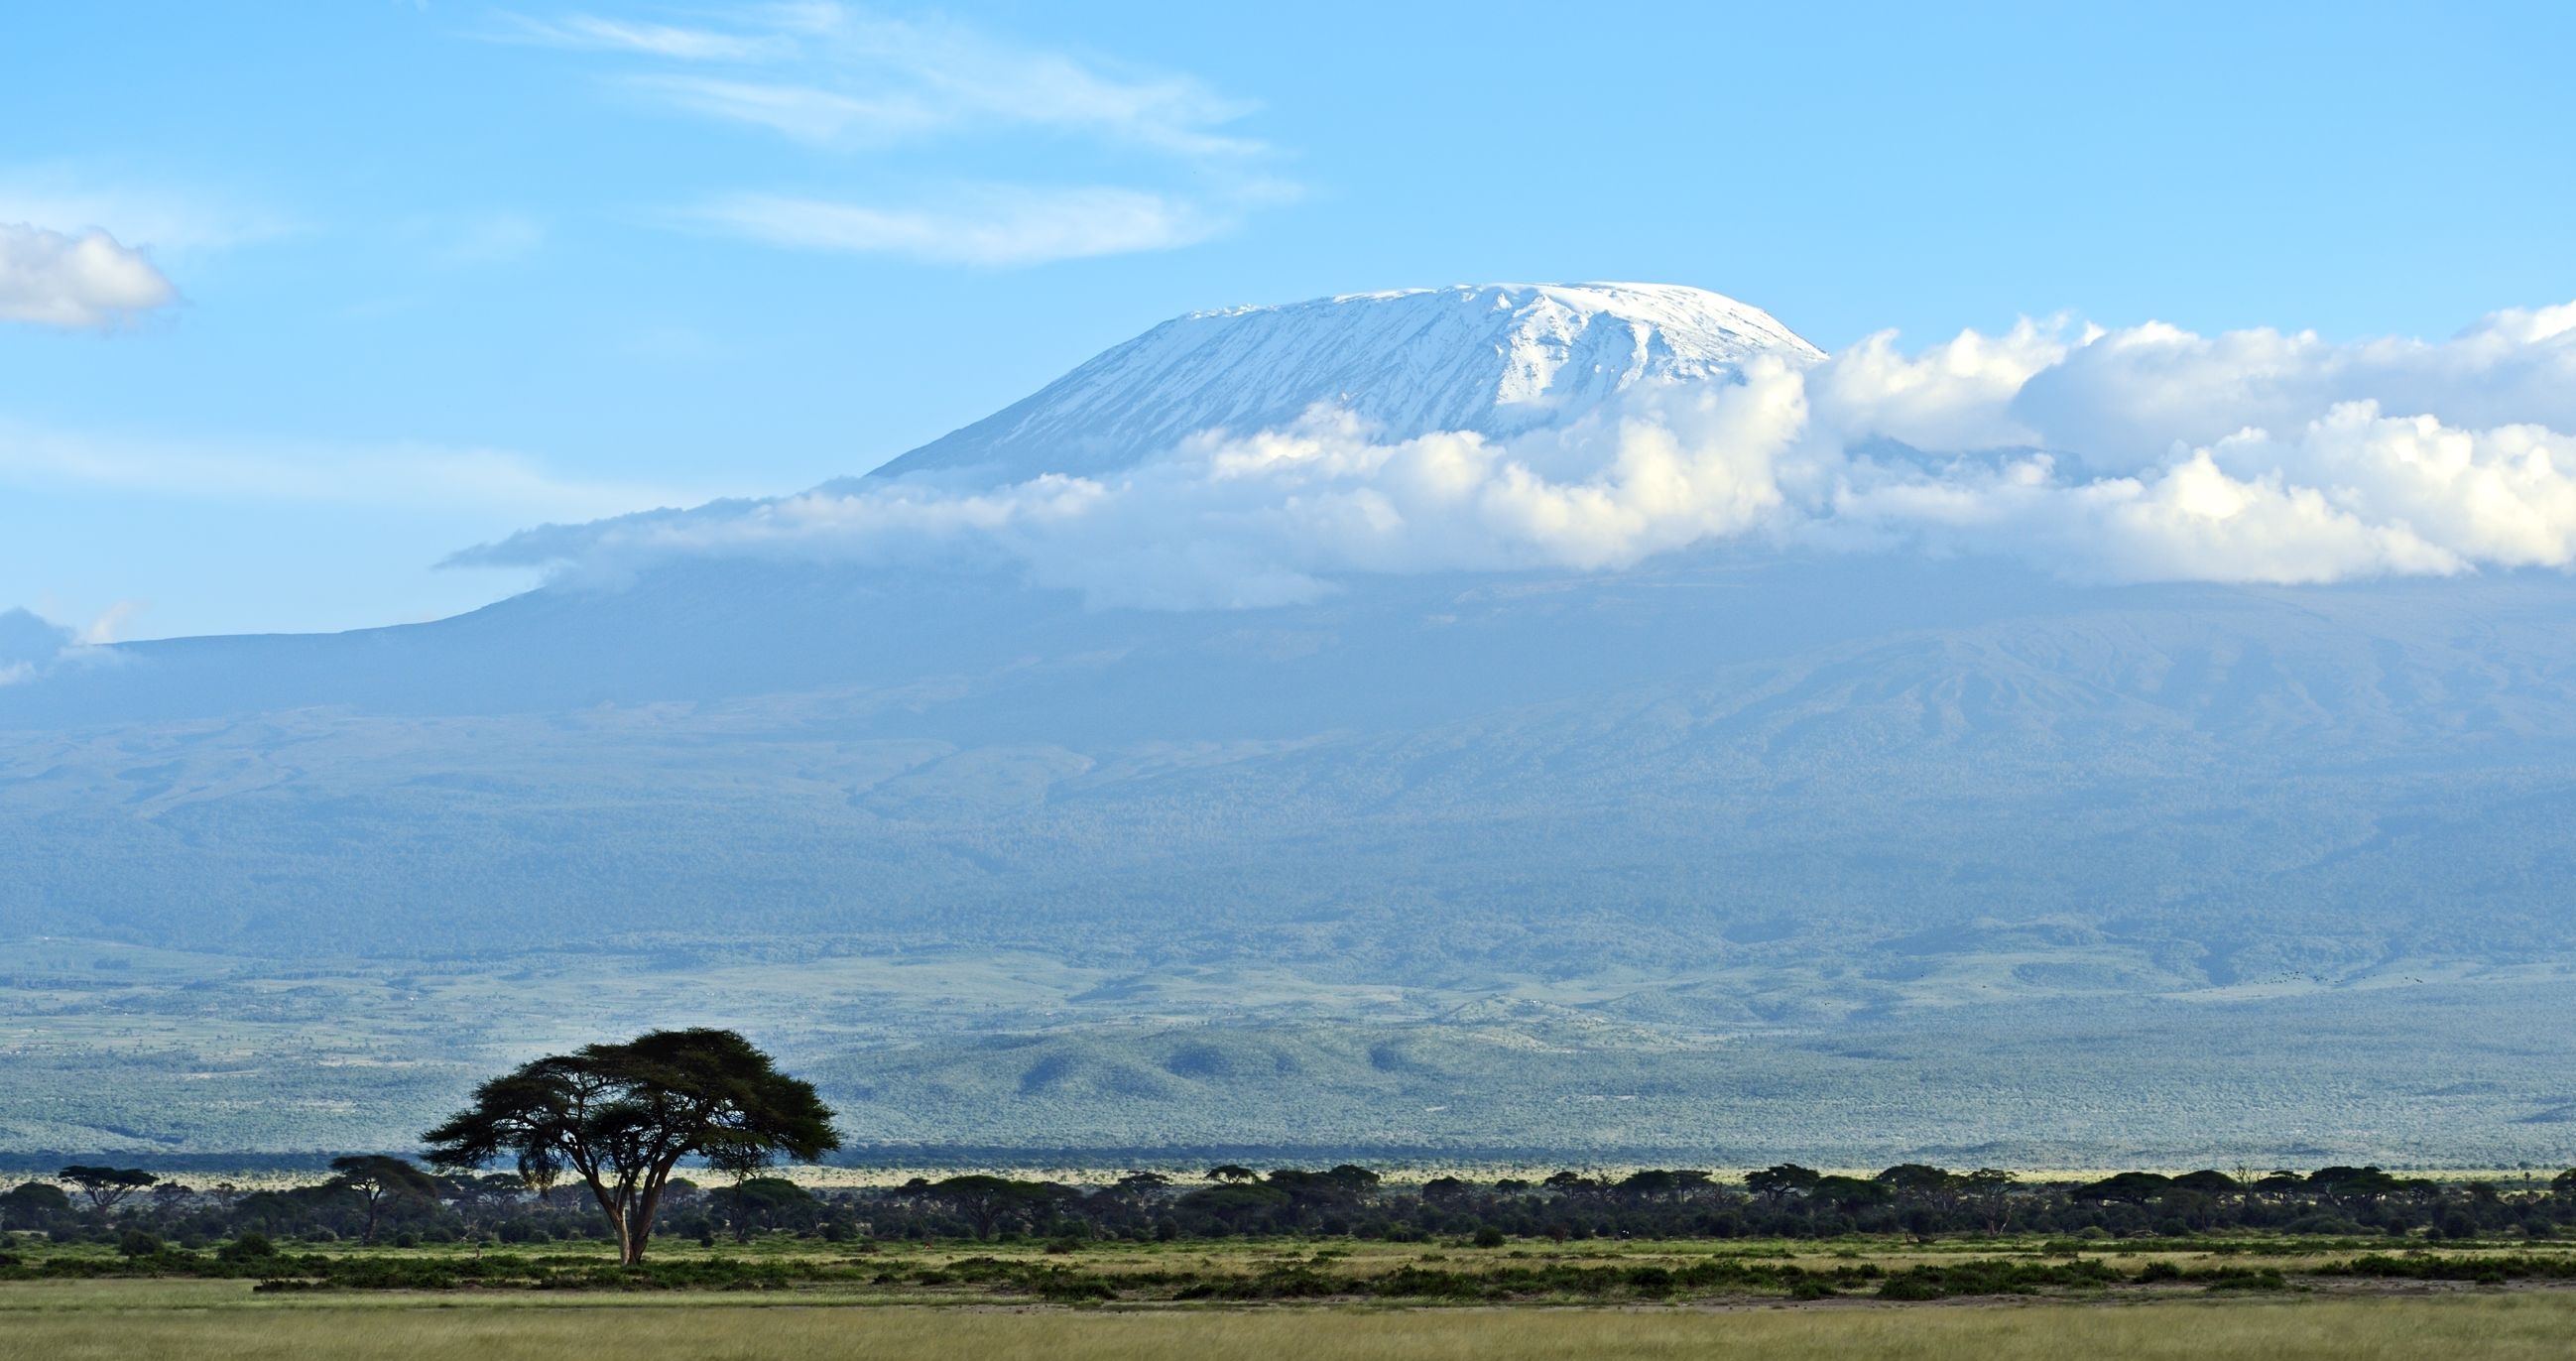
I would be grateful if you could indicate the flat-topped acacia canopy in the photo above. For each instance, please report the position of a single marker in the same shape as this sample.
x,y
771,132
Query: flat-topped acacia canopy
x,y
622,1116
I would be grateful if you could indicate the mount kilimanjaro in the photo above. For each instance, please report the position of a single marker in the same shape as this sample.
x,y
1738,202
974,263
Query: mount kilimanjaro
x,y
1496,360
1733,851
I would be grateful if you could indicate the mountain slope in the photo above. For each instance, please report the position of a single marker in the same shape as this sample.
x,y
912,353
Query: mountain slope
x,y
1833,876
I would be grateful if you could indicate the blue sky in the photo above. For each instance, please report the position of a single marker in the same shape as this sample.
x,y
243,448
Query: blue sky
x,y
415,276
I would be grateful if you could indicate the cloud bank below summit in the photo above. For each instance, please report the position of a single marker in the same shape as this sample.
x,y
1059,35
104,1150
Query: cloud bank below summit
x,y
2131,455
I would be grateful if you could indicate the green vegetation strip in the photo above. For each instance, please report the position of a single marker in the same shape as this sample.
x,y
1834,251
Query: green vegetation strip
x,y
1325,1276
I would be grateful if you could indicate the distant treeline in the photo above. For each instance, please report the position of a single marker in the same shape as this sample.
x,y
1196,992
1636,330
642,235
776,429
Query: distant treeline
x,y
393,1201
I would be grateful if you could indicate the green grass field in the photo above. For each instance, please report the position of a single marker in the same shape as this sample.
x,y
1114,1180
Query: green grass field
x,y
2153,1300
223,1321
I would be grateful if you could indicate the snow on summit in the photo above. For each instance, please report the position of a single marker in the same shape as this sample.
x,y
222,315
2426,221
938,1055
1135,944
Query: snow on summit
x,y
1496,359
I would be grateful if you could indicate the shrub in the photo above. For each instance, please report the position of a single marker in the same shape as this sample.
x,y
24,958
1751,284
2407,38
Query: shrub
x,y
137,1243
1650,1280
1489,1237
1074,1289
1989,1277
2269,1278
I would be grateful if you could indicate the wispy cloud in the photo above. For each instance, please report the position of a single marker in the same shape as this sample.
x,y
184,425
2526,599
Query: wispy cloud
x,y
112,623
412,476
589,33
843,79
996,225
77,198
799,111
86,281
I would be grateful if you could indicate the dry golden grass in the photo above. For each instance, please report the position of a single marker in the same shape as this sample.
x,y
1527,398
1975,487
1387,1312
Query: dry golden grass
x,y
2507,1327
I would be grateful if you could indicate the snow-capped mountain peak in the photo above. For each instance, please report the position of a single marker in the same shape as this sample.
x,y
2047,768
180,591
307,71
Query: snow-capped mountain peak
x,y
1493,358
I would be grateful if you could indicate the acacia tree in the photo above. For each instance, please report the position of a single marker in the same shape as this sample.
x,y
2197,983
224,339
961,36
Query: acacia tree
x,y
107,1186
375,1179
538,1172
2355,1187
2129,1188
1776,1184
1924,1182
30,1202
621,1116
984,1199
1991,1188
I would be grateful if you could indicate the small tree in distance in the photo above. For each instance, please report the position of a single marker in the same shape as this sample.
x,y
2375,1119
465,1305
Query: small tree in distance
x,y
985,1200
1776,1184
375,1179
621,1116
107,1186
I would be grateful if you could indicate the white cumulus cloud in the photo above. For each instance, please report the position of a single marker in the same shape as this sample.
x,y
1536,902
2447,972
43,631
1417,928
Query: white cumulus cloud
x,y
32,645
83,280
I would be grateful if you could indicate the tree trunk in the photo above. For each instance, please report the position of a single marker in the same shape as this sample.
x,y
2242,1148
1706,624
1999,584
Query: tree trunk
x,y
634,1229
647,1204
616,1205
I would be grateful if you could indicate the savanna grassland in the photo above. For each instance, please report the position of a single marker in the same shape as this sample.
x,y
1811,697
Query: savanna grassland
x,y
1997,1300
2503,1328
73,1320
